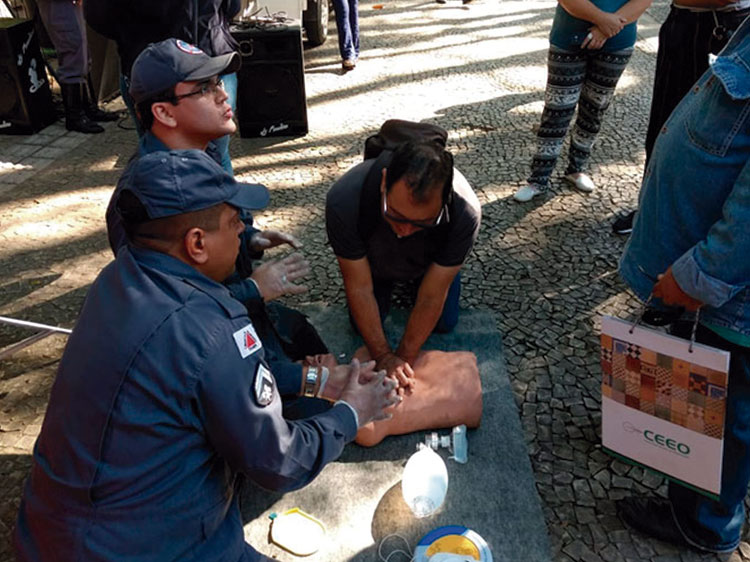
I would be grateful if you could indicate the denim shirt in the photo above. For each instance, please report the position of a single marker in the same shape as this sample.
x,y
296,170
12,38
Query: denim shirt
x,y
694,208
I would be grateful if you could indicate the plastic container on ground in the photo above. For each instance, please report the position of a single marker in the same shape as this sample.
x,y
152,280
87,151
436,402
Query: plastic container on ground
x,y
425,482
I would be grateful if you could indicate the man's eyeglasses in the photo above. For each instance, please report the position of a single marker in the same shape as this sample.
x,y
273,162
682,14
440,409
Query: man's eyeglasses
x,y
204,88
443,216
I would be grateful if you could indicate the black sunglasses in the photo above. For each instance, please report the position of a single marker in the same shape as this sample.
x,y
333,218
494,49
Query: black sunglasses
x,y
204,88
443,216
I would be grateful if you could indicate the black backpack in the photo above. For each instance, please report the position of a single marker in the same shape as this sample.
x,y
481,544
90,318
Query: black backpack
x,y
395,131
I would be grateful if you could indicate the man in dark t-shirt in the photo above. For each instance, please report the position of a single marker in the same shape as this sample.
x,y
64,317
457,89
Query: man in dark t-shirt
x,y
406,215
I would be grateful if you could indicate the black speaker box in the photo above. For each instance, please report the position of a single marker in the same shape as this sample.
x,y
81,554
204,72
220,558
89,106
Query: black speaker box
x,y
271,83
25,98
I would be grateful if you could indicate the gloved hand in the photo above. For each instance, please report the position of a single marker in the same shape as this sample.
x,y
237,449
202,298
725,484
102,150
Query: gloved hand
x,y
266,239
277,277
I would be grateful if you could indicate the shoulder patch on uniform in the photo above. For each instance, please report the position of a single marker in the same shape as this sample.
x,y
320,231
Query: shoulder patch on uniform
x,y
247,340
263,385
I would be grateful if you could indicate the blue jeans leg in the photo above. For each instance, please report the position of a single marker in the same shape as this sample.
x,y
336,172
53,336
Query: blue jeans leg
x,y
347,26
354,25
716,525
449,318
222,144
382,290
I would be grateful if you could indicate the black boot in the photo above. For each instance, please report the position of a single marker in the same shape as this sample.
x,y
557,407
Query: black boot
x,y
91,104
75,117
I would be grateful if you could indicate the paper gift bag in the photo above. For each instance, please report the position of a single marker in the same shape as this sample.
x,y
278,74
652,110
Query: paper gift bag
x,y
663,403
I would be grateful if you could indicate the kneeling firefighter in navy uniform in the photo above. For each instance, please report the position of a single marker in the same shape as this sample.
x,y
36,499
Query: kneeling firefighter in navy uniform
x,y
164,398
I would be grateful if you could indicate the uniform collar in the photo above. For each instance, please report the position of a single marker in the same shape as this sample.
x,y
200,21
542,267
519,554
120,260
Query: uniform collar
x,y
150,143
175,268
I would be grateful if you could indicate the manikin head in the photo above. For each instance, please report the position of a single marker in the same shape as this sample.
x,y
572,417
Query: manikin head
x,y
184,204
416,187
178,93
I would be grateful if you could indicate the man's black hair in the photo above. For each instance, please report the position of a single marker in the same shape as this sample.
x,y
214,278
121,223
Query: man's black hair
x,y
423,165
143,109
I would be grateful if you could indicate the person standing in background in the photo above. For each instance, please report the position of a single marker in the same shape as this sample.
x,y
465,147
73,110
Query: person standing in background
x,y
693,31
347,26
689,249
590,45
63,20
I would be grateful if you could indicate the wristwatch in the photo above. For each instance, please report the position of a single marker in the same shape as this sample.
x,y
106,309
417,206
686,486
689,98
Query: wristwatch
x,y
311,381
315,381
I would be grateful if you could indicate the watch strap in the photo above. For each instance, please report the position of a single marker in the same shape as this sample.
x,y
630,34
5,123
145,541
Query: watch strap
x,y
311,382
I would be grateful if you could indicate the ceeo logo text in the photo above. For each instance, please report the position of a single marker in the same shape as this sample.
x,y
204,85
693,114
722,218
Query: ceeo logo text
x,y
666,442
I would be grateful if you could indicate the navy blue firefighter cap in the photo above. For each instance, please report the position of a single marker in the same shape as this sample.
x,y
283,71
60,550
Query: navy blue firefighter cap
x,y
175,182
162,65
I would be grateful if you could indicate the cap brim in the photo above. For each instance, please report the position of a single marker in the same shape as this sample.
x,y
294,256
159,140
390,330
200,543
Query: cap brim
x,y
223,64
251,196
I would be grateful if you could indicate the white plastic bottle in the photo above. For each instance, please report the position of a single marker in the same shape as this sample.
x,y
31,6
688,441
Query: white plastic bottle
x,y
425,482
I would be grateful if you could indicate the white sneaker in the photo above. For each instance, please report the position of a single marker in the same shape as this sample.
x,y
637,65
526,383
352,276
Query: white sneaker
x,y
581,181
526,193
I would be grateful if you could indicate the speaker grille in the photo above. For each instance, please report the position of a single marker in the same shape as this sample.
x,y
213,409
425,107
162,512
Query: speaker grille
x,y
276,94
271,83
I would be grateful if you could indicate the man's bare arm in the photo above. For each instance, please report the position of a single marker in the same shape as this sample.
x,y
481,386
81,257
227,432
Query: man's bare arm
x,y
362,304
427,310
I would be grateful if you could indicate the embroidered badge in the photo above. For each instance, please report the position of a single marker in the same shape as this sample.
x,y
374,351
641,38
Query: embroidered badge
x,y
247,340
263,385
187,47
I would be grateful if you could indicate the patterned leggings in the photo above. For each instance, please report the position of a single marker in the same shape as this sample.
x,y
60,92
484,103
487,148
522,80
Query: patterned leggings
x,y
590,75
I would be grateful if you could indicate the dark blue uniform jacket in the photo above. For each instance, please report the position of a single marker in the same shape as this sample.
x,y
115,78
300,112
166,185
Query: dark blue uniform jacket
x,y
156,408
288,373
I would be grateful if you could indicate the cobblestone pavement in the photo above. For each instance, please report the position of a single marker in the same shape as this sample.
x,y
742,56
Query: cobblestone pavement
x,y
547,268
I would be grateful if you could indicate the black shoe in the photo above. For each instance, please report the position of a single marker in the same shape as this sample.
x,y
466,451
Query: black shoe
x,y
464,2
441,1
651,517
624,225
90,102
94,113
75,117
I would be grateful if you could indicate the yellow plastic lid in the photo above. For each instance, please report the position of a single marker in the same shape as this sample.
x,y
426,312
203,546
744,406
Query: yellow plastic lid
x,y
298,532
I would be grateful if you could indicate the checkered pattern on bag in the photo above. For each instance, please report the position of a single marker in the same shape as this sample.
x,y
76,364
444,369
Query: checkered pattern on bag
x,y
688,395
